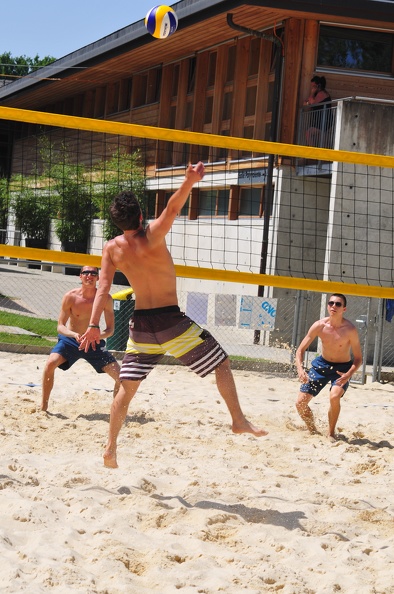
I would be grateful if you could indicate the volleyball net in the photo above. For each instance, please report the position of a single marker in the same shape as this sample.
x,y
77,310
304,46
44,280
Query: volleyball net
x,y
267,216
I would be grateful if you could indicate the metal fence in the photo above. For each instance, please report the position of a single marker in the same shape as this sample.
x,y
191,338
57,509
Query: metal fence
x,y
33,291
316,125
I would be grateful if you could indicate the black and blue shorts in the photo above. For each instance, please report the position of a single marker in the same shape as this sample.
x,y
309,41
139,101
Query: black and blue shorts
x,y
321,373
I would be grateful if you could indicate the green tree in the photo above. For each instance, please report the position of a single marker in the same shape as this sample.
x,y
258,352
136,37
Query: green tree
x,y
13,67
32,209
4,204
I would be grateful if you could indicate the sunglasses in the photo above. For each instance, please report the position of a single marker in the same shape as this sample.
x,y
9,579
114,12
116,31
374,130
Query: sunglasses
x,y
91,272
336,303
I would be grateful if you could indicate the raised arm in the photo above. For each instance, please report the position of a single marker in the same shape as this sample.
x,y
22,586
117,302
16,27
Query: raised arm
x,y
159,228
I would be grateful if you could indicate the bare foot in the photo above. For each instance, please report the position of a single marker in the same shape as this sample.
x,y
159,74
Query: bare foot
x,y
110,459
332,438
246,427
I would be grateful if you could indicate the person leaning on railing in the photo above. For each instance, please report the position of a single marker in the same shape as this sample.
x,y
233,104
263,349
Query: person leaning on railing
x,y
317,98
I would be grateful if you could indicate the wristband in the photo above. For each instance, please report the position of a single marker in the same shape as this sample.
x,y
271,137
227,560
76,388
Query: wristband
x,y
93,326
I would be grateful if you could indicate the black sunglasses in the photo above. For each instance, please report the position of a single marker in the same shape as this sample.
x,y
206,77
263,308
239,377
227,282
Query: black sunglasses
x,y
91,272
336,303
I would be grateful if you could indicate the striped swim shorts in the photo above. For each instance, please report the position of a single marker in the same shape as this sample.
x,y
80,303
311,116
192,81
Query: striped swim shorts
x,y
167,330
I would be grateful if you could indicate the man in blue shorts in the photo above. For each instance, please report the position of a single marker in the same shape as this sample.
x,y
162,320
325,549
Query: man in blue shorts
x,y
158,325
340,358
73,321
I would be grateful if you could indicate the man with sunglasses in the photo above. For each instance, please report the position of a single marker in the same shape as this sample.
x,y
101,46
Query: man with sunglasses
x,y
340,358
73,321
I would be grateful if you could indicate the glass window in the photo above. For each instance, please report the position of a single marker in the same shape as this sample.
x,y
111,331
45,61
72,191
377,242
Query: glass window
x,y
207,204
249,204
140,86
251,94
232,52
222,202
227,105
212,69
254,54
175,81
208,110
213,203
355,49
125,94
189,115
154,83
191,75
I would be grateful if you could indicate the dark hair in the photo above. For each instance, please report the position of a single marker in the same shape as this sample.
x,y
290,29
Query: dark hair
x,y
319,80
341,296
125,211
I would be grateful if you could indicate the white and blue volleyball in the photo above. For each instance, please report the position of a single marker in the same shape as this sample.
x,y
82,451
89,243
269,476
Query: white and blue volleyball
x,y
161,21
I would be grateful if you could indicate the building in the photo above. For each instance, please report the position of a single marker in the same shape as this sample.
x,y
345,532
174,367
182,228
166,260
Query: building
x,y
244,70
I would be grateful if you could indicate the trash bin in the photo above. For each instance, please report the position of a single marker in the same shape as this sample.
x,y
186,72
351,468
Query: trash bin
x,y
123,310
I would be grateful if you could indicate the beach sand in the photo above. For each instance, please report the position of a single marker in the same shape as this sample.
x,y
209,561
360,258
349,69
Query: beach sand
x,y
192,508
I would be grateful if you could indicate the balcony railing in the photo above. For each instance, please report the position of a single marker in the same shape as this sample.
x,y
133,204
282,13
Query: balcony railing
x,y
316,125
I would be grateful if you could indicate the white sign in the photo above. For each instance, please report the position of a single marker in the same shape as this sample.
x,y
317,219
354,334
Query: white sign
x,y
257,313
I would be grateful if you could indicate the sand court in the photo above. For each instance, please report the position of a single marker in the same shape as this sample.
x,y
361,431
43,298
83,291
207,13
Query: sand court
x,y
192,508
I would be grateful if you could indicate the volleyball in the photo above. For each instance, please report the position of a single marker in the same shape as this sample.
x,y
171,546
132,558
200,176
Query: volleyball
x,y
161,21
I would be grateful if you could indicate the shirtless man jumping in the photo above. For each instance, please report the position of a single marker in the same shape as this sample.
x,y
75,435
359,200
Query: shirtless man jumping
x,y
339,339
73,320
158,326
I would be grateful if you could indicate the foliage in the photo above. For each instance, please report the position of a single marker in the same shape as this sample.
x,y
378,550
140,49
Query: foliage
x,y
75,206
4,202
13,67
122,172
71,194
32,208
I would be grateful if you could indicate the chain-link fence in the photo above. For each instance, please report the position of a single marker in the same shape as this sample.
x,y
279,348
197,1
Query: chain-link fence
x,y
259,333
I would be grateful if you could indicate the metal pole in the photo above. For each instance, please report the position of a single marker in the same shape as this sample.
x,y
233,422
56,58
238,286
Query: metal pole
x,y
269,194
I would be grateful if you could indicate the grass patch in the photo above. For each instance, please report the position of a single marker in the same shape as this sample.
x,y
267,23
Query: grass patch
x,y
25,339
41,326
248,359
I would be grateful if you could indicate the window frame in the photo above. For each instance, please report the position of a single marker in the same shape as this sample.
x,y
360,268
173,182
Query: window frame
x,y
357,34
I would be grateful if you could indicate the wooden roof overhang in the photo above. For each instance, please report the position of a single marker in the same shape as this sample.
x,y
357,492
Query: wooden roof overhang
x,y
132,50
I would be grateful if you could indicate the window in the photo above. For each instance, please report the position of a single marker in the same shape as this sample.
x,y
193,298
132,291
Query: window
x,y
213,202
191,79
254,55
212,69
249,204
145,87
231,56
139,90
125,94
355,49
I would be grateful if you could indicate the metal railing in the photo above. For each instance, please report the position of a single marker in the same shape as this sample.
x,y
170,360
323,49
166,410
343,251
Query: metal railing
x,y
316,125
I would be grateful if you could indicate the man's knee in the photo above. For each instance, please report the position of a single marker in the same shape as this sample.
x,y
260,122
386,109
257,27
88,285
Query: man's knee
x,y
52,363
336,394
303,400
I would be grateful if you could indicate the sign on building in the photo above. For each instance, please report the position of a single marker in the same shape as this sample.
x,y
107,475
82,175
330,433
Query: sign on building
x,y
257,313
